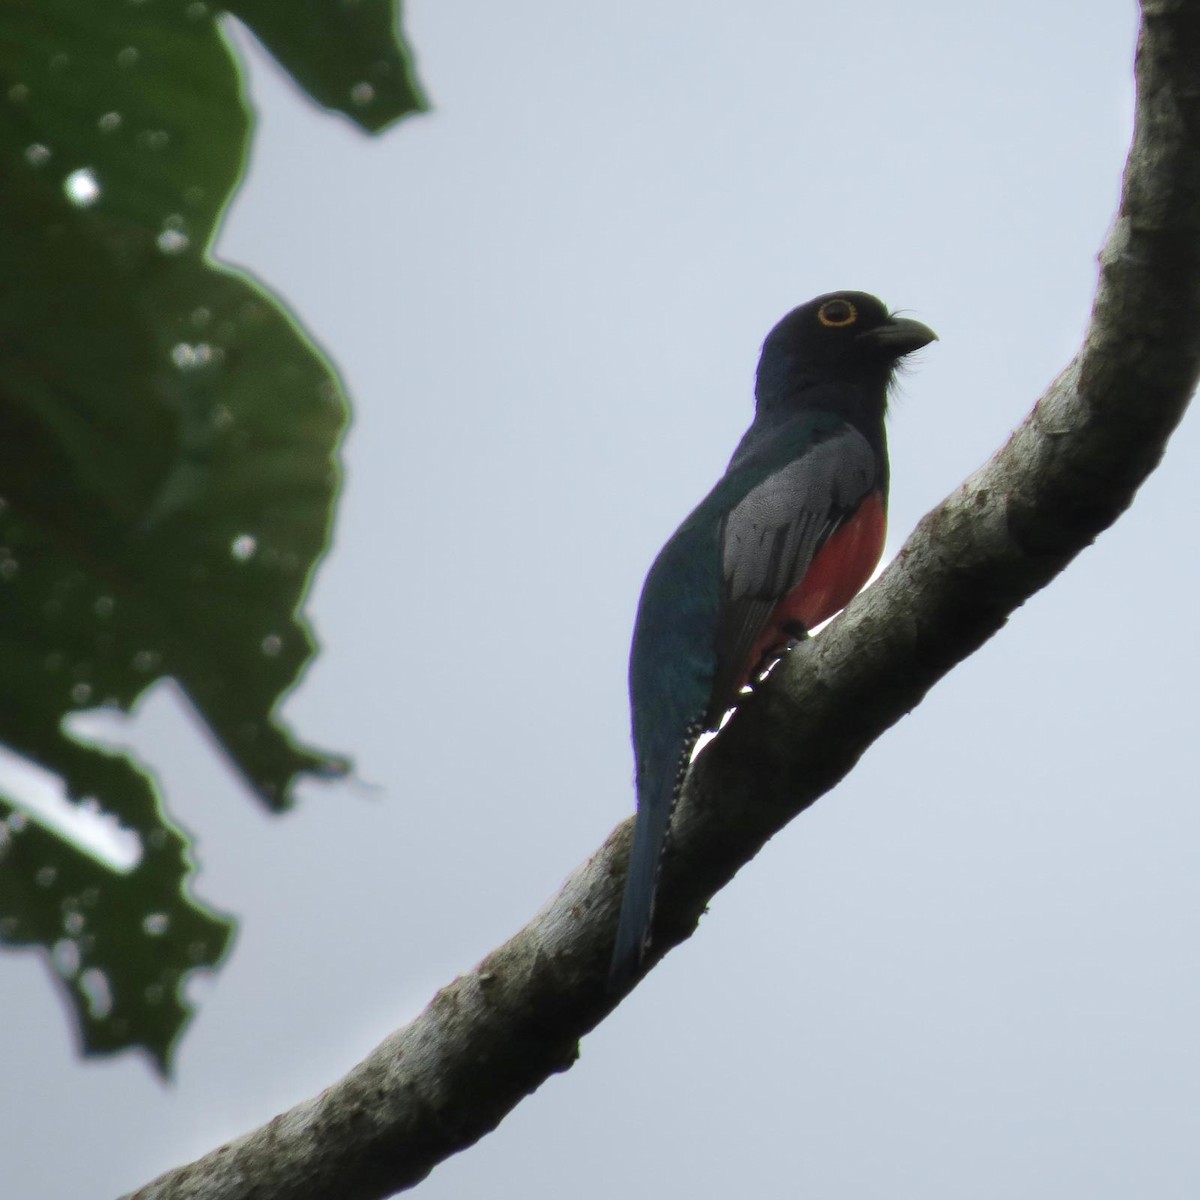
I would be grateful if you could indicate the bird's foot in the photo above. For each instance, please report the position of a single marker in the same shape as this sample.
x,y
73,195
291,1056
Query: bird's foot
x,y
796,634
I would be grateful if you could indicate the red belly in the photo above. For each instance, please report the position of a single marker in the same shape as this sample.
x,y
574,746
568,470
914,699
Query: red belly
x,y
842,565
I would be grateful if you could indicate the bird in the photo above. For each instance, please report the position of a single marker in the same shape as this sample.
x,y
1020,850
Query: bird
x,y
785,539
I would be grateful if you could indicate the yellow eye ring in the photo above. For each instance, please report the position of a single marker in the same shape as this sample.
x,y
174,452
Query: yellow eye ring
x,y
837,314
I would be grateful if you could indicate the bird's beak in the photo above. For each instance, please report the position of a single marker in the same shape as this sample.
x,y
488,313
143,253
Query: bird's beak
x,y
898,336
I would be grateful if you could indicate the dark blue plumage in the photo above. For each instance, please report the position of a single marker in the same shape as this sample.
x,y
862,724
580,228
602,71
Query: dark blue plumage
x,y
788,534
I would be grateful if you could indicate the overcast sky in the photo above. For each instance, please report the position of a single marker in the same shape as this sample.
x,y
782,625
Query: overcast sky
x,y
969,971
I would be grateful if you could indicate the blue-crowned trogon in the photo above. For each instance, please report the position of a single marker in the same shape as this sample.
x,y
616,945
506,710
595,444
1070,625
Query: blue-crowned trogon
x,y
787,536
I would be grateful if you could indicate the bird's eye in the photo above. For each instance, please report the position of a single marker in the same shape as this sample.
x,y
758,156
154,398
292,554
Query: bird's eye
x,y
836,314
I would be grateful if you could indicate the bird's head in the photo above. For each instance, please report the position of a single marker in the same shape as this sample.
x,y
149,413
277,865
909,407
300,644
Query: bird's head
x,y
841,337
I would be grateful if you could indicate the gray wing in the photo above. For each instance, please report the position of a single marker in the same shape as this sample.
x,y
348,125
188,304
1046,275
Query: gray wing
x,y
770,538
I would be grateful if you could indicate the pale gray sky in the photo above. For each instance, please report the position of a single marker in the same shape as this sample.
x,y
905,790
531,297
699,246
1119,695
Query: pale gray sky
x,y
970,971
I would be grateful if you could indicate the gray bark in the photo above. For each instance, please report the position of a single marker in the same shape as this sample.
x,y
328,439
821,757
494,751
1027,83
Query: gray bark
x,y
493,1035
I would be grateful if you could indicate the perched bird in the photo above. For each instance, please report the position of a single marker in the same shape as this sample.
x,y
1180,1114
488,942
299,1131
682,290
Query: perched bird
x,y
785,539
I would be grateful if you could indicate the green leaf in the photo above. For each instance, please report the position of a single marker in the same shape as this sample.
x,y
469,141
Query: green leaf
x,y
120,943
168,450
346,54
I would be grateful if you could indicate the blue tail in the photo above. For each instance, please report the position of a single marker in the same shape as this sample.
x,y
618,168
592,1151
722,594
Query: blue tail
x,y
637,906
671,668
655,806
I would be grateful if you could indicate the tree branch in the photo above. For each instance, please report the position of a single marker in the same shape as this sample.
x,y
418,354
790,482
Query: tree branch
x,y
493,1035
